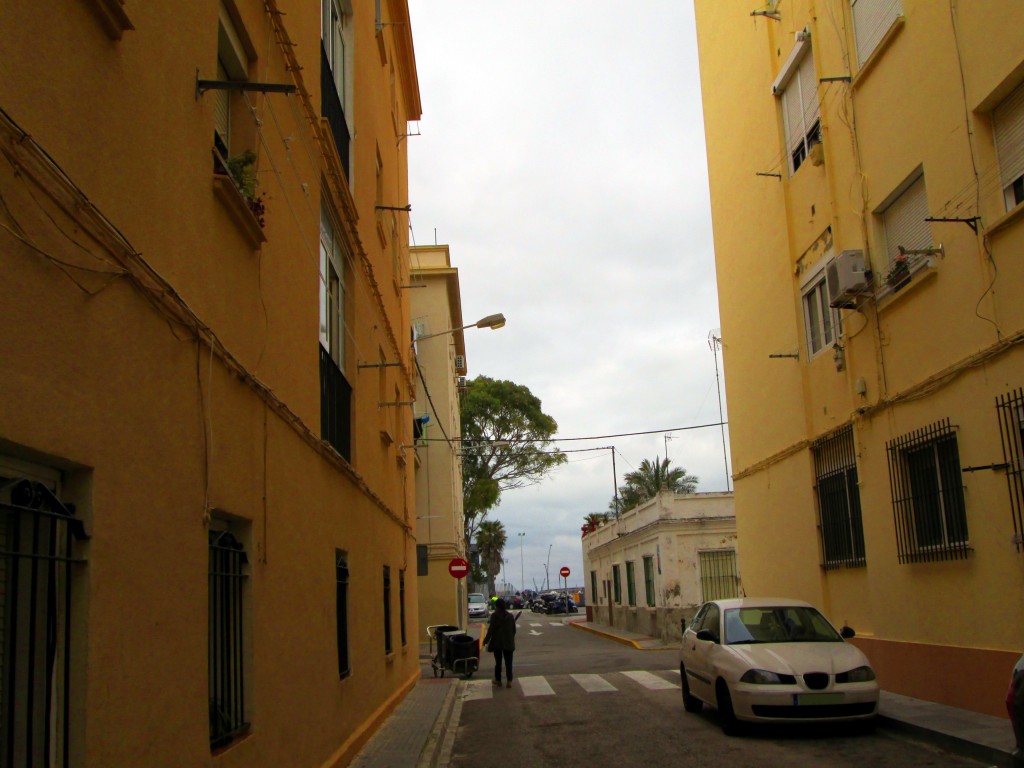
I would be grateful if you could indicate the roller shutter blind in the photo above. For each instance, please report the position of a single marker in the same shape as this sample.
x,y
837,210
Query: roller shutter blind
x,y
904,221
1008,118
871,20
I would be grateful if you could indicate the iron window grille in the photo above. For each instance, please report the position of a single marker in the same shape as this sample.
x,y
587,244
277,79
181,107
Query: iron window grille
x,y
718,575
401,605
840,524
388,648
1011,428
37,546
649,580
928,495
630,583
227,576
616,584
341,605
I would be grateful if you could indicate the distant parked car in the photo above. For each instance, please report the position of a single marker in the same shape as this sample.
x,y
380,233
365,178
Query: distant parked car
x,y
561,604
757,659
478,605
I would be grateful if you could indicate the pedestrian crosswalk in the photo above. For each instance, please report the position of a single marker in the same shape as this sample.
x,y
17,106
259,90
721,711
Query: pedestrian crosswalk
x,y
551,685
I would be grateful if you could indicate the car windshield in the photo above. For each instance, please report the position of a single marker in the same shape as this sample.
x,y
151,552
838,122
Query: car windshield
x,y
777,624
477,598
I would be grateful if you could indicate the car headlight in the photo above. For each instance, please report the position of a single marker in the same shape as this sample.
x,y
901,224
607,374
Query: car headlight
x,y
764,677
858,675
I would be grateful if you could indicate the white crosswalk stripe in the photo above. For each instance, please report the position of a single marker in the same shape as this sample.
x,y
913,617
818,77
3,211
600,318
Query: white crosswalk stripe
x,y
536,686
539,685
478,689
593,683
536,624
650,680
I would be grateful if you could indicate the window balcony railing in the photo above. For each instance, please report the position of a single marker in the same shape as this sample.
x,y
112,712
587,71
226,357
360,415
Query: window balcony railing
x,y
332,108
335,406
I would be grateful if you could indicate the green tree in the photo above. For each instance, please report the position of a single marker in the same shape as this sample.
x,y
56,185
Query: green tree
x,y
505,445
651,477
490,544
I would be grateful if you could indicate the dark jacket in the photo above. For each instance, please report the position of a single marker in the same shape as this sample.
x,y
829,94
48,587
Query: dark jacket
x,y
501,632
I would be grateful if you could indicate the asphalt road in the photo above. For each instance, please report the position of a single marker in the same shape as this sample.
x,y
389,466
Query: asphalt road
x,y
580,699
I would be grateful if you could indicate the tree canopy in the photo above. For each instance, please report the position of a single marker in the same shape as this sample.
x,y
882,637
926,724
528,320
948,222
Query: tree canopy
x,y
505,444
651,477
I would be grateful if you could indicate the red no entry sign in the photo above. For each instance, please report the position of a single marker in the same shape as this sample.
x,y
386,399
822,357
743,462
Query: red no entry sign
x,y
458,567
564,573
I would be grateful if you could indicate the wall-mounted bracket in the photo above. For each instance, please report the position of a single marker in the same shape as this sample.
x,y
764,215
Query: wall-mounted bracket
x,y
202,86
378,365
970,221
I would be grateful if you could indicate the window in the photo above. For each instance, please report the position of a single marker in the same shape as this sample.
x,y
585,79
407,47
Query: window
x,y
593,584
718,577
797,89
401,605
630,583
1011,426
649,580
1008,121
616,584
38,568
903,219
711,619
232,64
388,648
335,391
341,608
928,495
228,617
422,560
871,20
821,322
336,64
841,529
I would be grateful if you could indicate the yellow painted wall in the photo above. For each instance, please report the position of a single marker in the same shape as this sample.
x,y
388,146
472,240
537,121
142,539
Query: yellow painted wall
x,y
944,347
177,380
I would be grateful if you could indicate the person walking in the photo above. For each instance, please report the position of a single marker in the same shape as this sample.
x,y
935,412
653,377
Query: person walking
x,y
500,639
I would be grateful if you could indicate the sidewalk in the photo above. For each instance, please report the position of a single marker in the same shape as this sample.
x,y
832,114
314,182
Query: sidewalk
x,y
418,733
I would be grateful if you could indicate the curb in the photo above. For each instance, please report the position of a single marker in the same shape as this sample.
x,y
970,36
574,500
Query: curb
x,y
956,744
441,735
625,641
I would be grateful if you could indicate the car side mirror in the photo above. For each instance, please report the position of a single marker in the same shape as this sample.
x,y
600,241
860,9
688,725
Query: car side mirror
x,y
708,635
847,632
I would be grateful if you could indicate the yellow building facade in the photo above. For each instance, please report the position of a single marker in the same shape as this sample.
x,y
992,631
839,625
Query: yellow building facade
x,y
866,165
206,524
441,365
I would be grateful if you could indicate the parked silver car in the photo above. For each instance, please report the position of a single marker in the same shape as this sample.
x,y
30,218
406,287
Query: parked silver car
x,y
478,605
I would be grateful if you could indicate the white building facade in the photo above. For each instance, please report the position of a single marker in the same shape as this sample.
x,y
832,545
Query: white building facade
x,y
654,565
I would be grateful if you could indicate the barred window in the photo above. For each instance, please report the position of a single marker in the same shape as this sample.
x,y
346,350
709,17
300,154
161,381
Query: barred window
x,y
649,580
928,495
719,578
1011,426
388,647
226,628
616,584
38,532
401,605
630,583
341,607
839,513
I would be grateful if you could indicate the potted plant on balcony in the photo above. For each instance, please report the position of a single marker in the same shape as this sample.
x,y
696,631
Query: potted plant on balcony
x,y
899,272
242,170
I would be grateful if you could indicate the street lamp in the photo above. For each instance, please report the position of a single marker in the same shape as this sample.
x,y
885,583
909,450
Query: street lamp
x,y
494,322
522,569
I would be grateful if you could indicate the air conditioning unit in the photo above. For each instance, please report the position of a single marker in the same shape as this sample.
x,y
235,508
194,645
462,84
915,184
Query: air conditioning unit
x,y
846,279
460,362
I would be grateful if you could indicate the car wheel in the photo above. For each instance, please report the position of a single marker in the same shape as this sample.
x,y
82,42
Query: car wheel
x,y
690,702
726,715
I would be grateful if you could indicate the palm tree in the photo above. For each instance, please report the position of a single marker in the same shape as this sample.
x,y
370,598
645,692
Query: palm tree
x,y
652,477
490,543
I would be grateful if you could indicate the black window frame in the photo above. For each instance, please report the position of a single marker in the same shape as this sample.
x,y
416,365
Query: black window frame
x,y
837,493
341,574
226,636
389,647
929,506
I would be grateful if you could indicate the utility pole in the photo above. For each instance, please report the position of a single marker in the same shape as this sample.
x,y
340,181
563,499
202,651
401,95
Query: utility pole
x,y
522,567
547,578
715,342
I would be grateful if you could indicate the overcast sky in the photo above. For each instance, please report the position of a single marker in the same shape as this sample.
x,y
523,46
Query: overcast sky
x,y
561,158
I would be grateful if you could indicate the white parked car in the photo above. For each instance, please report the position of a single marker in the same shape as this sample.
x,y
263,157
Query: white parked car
x,y
764,659
478,606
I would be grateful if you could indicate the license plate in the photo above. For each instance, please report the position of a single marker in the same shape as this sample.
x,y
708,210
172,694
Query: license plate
x,y
803,699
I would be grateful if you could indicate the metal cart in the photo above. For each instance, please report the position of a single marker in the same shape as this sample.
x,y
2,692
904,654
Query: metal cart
x,y
453,650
